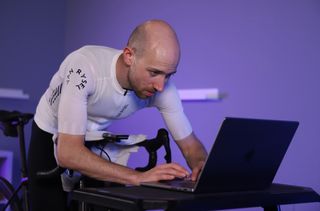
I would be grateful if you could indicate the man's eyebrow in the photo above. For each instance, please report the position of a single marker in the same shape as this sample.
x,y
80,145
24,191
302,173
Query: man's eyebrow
x,y
160,71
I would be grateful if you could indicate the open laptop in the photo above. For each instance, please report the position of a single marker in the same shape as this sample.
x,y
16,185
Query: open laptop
x,y
245,156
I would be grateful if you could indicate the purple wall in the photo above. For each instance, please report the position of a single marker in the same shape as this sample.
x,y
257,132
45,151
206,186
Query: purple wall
x,y
264,54
31,48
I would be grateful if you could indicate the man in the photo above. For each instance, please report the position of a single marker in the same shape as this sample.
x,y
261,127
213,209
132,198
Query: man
x,y
95,85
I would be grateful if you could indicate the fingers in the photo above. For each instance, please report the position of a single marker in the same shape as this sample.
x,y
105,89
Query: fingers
x,y
196,171
174,169
195,174
164,172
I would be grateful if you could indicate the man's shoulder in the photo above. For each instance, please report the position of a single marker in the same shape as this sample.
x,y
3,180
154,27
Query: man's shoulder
x,y
94,53
98,50
168,95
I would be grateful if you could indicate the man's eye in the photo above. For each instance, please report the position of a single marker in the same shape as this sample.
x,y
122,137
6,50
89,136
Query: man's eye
x,y
153,73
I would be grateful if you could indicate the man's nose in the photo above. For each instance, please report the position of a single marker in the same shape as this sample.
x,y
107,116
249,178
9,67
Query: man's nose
x,y
159,83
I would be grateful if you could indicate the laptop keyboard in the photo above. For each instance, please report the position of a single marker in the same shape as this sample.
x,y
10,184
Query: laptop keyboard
x,y
187,183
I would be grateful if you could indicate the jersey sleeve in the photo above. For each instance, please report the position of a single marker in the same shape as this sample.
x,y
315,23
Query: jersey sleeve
x,y
78,85
169,104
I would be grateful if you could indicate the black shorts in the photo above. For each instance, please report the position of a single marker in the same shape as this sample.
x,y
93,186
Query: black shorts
x,y
44,194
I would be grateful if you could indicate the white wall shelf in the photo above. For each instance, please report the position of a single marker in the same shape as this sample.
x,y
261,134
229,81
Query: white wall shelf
x,y
199,94
13,93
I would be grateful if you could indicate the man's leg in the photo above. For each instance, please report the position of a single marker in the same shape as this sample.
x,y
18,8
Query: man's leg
x,y
44,194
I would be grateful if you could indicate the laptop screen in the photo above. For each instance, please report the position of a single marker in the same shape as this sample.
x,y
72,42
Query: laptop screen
x,y
246,154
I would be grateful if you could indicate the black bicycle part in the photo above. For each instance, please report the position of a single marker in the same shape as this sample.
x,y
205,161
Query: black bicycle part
x,y
152,145
8,192
12,124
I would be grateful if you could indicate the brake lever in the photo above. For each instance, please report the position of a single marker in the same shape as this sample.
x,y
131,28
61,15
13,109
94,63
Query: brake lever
x,y
152,145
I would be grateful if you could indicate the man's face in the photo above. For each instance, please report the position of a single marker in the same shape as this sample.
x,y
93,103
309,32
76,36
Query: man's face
x,y
149,73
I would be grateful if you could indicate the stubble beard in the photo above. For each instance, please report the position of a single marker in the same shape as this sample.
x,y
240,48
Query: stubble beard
x,y
133,87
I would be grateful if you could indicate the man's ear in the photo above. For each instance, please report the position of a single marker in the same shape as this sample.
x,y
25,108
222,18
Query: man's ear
x,y
128,56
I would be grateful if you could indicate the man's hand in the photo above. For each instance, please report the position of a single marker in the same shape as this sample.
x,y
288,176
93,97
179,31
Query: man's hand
x,y
163,172
194,153
196,170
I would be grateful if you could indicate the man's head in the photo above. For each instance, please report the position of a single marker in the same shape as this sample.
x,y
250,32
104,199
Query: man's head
x,y
151,57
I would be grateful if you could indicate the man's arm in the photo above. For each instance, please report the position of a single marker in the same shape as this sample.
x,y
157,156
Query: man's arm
x,y
72,154
194,153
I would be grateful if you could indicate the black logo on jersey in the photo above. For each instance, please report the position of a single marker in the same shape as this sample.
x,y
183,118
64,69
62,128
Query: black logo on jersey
x,y
55,94
69,75
79,78
122,110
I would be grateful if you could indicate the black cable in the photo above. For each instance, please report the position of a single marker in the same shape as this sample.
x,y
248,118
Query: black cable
x,y
101,148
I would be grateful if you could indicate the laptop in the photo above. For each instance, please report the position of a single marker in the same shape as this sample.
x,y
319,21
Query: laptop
x,y
245,157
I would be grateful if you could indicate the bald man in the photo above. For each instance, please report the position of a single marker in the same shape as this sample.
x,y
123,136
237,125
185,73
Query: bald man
x,y
96,85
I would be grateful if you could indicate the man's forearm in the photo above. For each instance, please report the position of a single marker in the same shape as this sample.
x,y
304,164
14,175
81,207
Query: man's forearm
x,y
74,155
193,150
196,154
